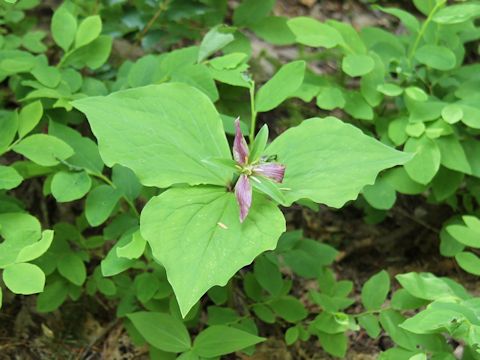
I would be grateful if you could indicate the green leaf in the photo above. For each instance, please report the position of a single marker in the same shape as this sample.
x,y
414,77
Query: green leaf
x,y
126,182
409,20
54,295
64,28
88,30
311,32
423,167
452,113
68,186
274,30
29,117
215,39
453,155
437,57
334,344
370,323
259,144
35,250
8,129
289,309
220,340
330,97
113,264
100,203
172,130
292,335
469,262
24,278
47,75
357,64
72,268
425,286
268,275
250,12
375,290
163,331
380,195
417,94
457,14
390,89
134,249
282,85
322,165
93,55
42,149
195,233
9,178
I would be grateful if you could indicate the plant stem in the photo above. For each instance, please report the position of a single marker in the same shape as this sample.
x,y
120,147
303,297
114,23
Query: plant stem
x,y
161,8
424,27
253,112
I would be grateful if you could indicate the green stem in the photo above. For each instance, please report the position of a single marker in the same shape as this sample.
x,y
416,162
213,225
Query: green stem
x,y
253,112
424,27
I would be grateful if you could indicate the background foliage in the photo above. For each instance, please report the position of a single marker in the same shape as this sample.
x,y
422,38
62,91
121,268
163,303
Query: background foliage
x,y
70,224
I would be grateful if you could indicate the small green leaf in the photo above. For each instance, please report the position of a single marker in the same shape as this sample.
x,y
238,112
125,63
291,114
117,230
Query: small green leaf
x,y
268,275
250,12
375,290
24,278
311,32
64,28
452,113
423,167
390,89
289,308
370,323
29,117
457,14
9,178
162,330
35,250
215,39
258,146
68,186
42,149
100,203
134,249
292,335
380,195
469,262
330,97
437,57
357,64
334,344
425,286
88,30
221,340
417,94
72,268
282,85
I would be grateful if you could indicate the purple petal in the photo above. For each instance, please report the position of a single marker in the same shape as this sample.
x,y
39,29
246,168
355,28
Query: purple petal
x,y
240,147
243,192
273,171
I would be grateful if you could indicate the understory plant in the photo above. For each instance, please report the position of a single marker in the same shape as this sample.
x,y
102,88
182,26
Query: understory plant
x,y
134,171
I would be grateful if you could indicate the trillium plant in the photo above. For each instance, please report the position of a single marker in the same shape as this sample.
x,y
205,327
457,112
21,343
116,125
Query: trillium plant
x,y
215,214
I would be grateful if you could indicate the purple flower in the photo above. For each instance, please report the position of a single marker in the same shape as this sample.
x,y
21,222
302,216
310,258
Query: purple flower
x,y
243,188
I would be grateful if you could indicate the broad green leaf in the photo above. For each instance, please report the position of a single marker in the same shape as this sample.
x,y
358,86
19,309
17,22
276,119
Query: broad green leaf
x,y
409,20
282,85
250,12
112,264
329,161
34,251
100,203
268,275
401,182
88,30
452,113
311,32
72,268
357,64
469,262
453,155
457,14
292,335
417,94
134,249
42,149
68,186
54,295
32,41
24,278
446,183
437,57
375,290
426,162
195,233
161,330
29,117
9,178
221,340
334,344
8,129
215,39
47,75
357,106
390,89
403,300
64,28
431,320
163,138
198,76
